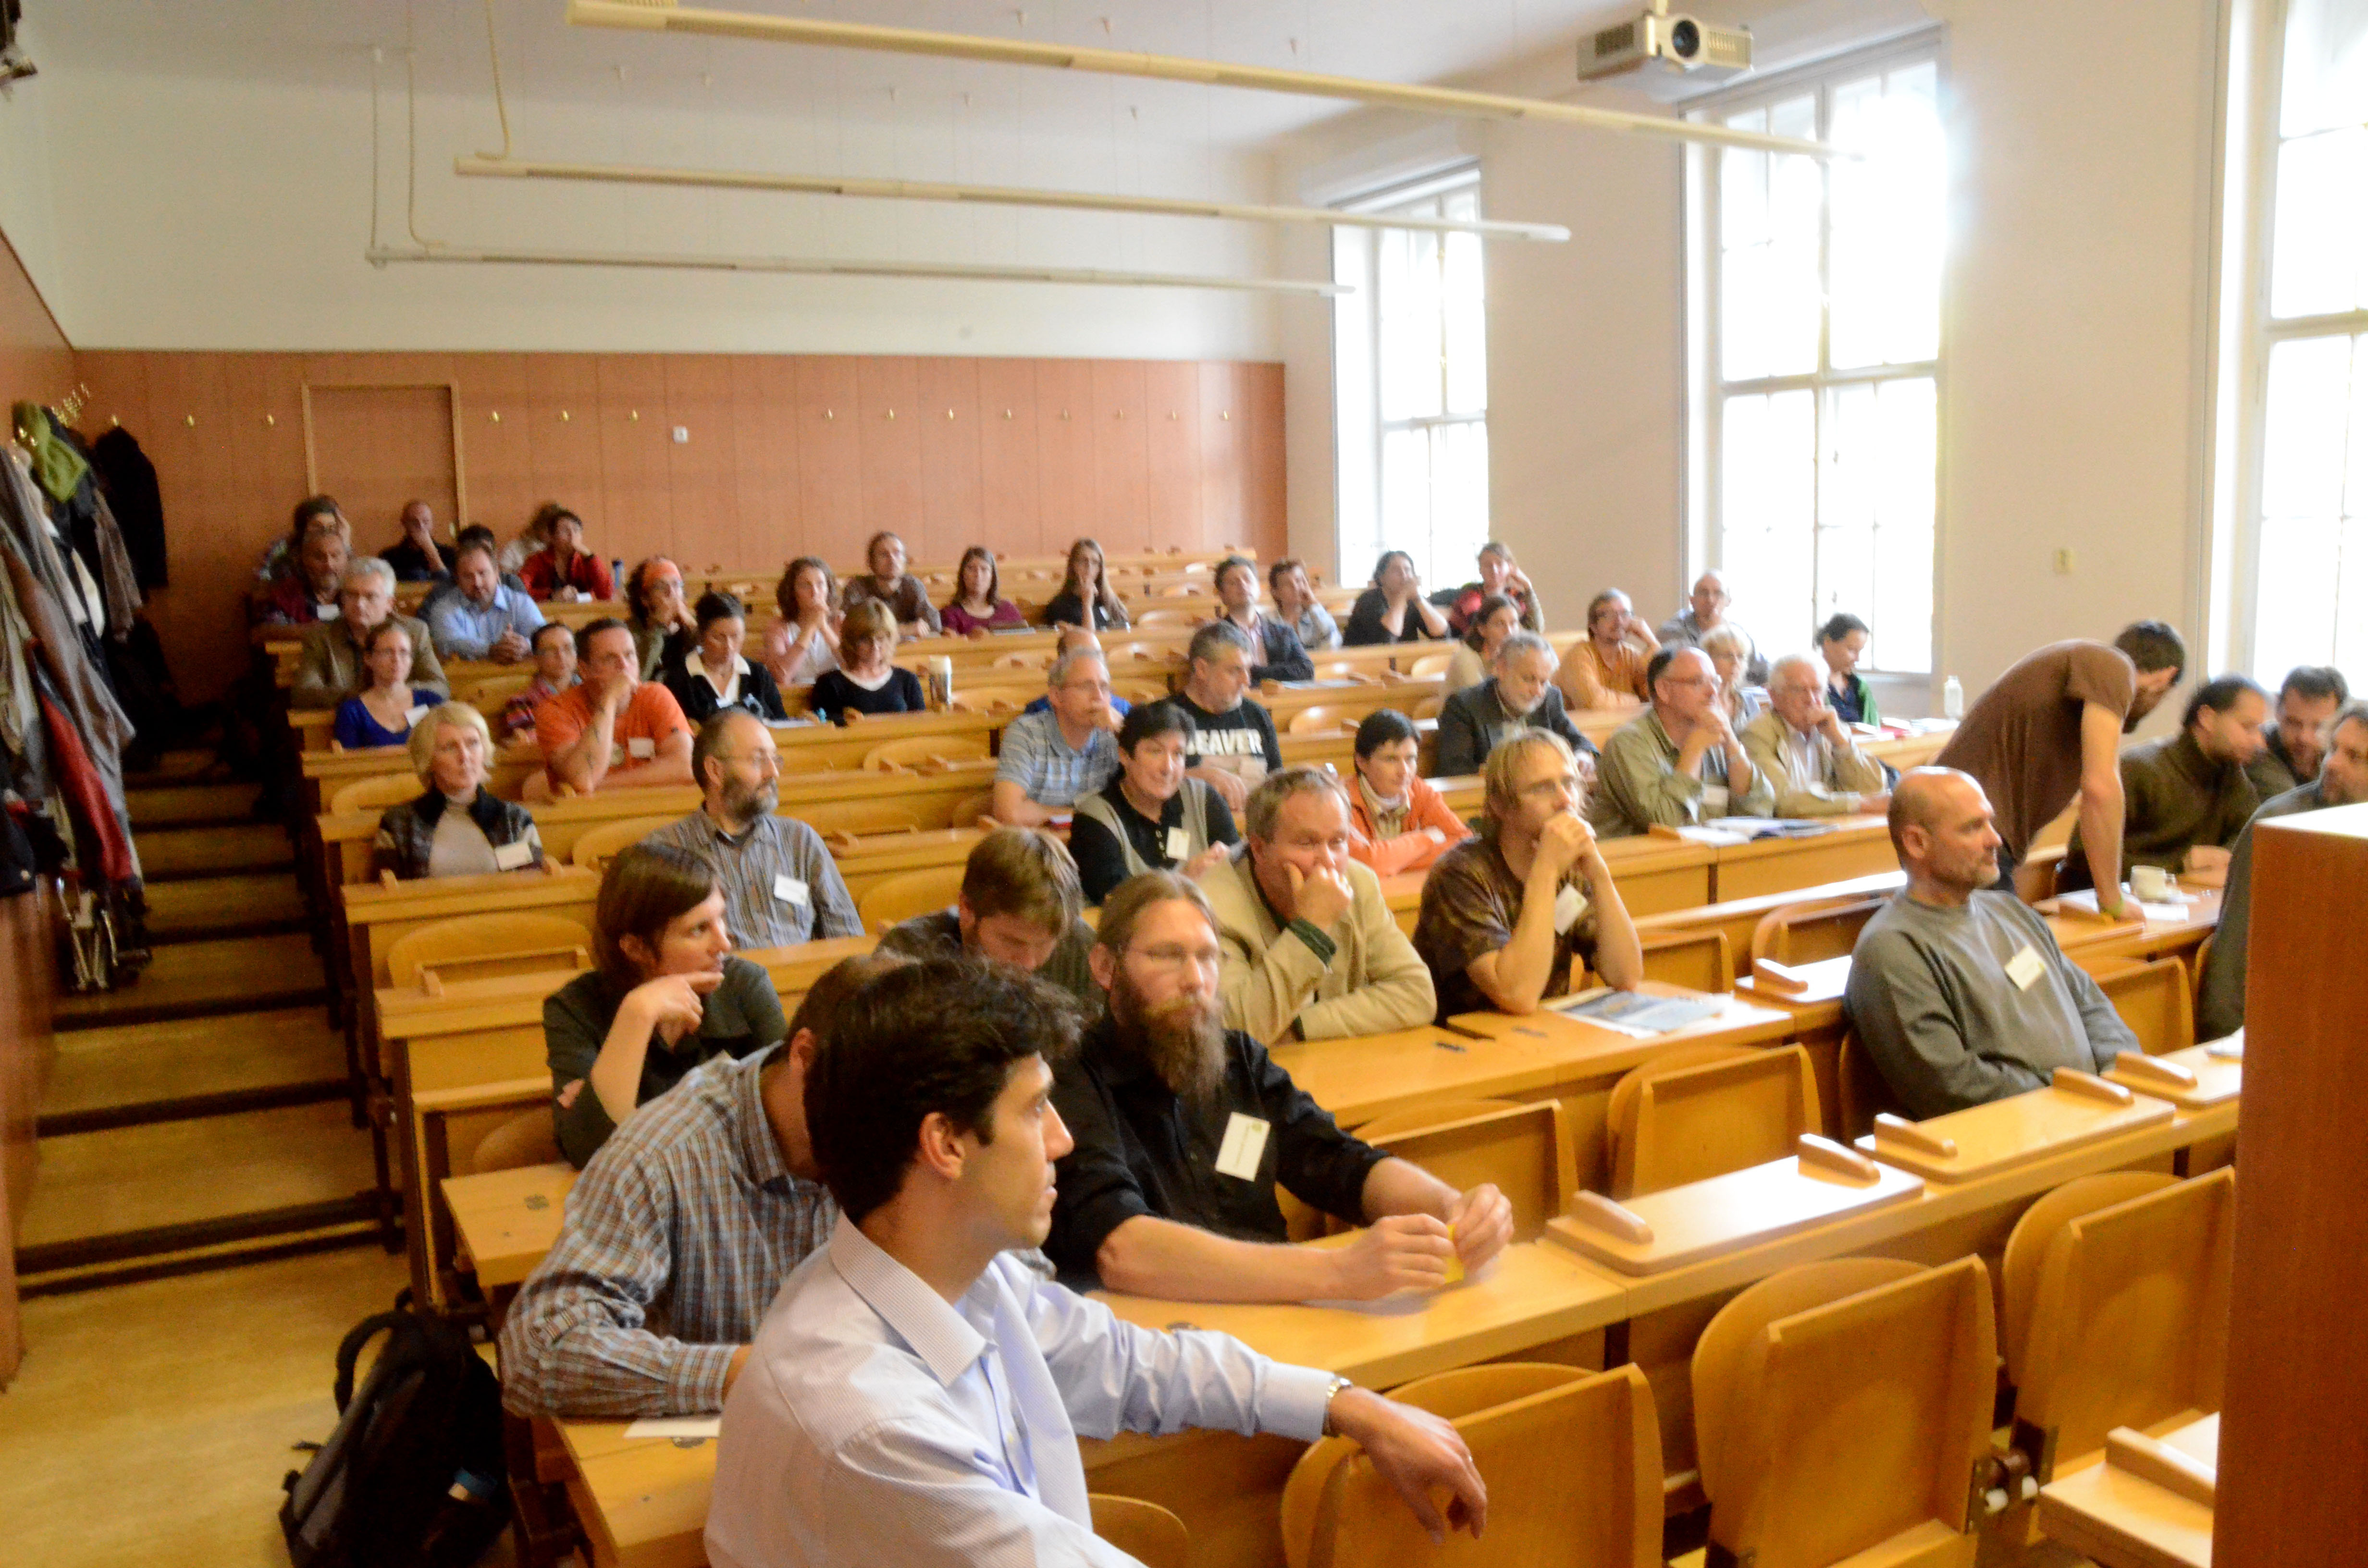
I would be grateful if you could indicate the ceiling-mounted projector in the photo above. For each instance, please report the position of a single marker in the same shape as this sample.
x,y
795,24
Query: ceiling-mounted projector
x,y
1710,51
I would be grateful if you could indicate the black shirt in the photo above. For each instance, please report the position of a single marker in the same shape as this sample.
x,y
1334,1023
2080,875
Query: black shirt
x,y
695,695
834,696
412,566
1474,721
1367,627
1246,731
1139,1150
1101,861
1068,610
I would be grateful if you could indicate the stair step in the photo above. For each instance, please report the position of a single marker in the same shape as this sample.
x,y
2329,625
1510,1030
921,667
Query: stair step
x,y
135,1063
213,851
258,902
161,806
243,974
198,765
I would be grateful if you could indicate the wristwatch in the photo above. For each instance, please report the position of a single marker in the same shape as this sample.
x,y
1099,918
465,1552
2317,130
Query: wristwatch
x,y
1339,1386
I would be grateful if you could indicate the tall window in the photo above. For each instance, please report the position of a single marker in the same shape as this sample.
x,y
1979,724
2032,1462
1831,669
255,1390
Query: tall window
x,y
1823,358
2310,561
1412,362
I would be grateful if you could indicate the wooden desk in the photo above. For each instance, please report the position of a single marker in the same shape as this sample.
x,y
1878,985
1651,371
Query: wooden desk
x,y
1818,1027
1857,846
508,1219
2086,939
1739,918
2123,1519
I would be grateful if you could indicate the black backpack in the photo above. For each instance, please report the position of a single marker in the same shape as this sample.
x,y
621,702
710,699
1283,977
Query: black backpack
x,y
413,1477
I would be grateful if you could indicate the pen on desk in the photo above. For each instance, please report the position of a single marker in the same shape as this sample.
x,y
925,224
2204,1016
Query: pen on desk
x,y
1448,1045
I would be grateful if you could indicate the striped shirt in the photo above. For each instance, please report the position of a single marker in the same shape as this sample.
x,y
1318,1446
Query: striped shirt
x,y
1038,757
780,884
678,1236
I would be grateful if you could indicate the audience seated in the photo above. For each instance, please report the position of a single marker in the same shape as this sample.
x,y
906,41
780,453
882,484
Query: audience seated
x,y
1392,609
1705,612
1232,740
668,994
1275,649
1047,760
1295,602
2342,781
804,642
866,682
1607,668
2308,699
1515,916
2051,729
279,558
304,593
1087,584
710,674
1018,905
1679,762
563,569
532,537
417,557
1154,816
1312,950
1397,821
1802,747
611,730
1841,642
978,605
1485,630
1160,1086
1499,574
916,1399
780,884
1519,696
382,712
481,617
457,827
661,622
553,647
1729,651
890,585
1957,990
679,1235
2186,797
332,669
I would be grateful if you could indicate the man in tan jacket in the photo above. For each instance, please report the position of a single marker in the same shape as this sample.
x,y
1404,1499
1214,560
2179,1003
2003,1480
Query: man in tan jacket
x,y
1806,752
331,668
1311,951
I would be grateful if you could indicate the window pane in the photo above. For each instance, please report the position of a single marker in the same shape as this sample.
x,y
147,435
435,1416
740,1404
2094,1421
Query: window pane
x,y
2299,597
1459,457
1465,326
2320,249
1768,241
1875,517
2326,67
1405,492
1768,477
1409,301
2302,454
1888,222
2311,595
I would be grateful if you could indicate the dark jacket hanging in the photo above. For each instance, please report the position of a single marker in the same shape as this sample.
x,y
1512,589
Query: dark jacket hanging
x,y
130,480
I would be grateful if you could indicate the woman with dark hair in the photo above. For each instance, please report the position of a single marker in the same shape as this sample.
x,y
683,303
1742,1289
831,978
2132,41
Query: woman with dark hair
x,y
1841,642
1151,817
656,614
1086,599
667,995
804,642
866,682
1475,653
890,585
382,712
711,674
1397,821
1392,609
564,568
978,605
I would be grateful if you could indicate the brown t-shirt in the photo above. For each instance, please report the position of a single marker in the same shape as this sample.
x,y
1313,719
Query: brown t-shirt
x,y
2022,739
1471,902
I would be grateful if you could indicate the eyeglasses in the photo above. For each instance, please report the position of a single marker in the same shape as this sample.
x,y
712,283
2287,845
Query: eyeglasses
x,y
1174,958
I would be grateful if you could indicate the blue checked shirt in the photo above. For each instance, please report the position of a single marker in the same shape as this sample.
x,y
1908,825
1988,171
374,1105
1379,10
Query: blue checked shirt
x,y
678,1236
780,886
1039,758
463,629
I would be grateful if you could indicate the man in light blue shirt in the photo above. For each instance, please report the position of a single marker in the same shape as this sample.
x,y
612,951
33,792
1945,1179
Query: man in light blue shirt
x,y
916,1392
1047,760
482,618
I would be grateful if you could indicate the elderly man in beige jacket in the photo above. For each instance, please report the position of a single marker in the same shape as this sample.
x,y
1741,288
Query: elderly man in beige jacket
x,y
1311,951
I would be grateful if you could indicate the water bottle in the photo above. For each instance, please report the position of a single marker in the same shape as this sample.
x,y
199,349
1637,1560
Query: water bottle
x,y
1952,699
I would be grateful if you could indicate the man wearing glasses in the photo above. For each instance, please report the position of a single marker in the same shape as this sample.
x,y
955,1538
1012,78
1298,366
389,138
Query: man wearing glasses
x,y
1184,1128
1679,763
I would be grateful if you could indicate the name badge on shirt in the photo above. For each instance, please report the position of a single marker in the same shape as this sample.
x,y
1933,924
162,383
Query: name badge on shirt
x,y
1180,843
2025,967
1244,1146
1569,905
788,890
1714,801
511,856
412,719
328,613
641,747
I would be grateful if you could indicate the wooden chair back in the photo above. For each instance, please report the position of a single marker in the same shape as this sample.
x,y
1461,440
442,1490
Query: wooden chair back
x,y
2129,1326
1313,721
1526,1150
1699,960
1523,1424
480,946
1144,1532
2157,1001
1431,1113
1429,708
2026,1247
378,792
1430,664
1154,618
1812,930
907,894
596,846
827,817
1837,1411
921,750
1859,1085
1674,1121
529,1138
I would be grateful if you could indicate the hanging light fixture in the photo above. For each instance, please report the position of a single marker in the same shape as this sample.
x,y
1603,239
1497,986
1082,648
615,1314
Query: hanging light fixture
x,y
381,256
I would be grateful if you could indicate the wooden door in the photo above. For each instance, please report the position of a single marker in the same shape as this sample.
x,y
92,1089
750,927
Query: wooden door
x,y
378,448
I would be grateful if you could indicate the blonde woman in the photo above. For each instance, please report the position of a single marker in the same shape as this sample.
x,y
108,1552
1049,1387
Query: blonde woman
x,y
457,827
866,682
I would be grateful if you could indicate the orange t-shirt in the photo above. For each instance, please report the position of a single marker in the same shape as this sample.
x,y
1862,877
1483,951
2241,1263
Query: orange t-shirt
x,y
650,714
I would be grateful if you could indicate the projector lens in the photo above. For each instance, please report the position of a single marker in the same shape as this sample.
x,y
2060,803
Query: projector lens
x,y
1685,39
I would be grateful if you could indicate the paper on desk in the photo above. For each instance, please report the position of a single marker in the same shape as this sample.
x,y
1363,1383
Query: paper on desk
x,y
1636,1012
676,1426
2170,913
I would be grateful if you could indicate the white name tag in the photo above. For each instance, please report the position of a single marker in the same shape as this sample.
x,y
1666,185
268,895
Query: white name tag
x,y
788,890
2025,967
511,856
642,746
1243,1148
415,715
328,613
1569,905
1180,843
1714,801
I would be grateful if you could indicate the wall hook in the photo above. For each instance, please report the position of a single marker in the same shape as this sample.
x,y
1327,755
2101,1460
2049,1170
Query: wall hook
x,y
892,413
494,415
635,417
949,414
270,419
191,420
562,416
1006,414
1064,414
830,414
1228,413
1118,413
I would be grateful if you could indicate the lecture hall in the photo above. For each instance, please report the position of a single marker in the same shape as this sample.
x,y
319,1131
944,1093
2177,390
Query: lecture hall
x,y
861,784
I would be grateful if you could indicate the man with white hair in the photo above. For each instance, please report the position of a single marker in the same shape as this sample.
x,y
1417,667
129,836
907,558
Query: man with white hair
x,y
1049,759
1705,612
330,669
1520,695
1806,752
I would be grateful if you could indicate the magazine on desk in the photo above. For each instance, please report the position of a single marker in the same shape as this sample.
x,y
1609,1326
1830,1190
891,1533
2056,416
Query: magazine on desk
x,y
1749,828
1637,1013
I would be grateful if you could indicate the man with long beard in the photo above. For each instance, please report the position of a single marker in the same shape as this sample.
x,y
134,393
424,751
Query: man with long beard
x,y
1183,1128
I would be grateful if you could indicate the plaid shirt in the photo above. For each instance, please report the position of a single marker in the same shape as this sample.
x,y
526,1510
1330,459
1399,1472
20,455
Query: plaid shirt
x,y
1038,757
750,870
678,1236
